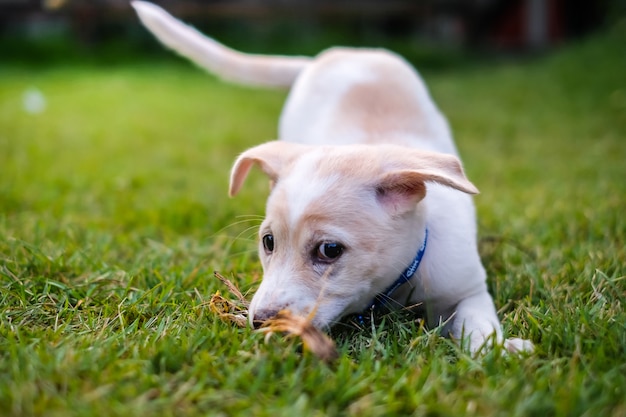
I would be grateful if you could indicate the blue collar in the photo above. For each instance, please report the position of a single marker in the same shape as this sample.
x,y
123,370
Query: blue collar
x,y
381,298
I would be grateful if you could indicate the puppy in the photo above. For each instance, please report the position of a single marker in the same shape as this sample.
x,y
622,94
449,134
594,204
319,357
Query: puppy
x,y
369,202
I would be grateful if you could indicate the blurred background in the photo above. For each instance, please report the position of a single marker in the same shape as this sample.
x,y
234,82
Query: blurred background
x,y
437,33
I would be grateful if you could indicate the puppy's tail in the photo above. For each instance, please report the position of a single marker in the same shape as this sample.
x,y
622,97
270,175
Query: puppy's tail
x,y
258,70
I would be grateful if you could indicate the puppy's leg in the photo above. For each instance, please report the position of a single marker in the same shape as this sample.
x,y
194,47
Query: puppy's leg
x,y
475,322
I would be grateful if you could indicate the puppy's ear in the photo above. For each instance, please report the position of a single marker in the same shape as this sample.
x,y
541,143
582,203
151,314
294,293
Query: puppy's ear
x,y
404,183
272,157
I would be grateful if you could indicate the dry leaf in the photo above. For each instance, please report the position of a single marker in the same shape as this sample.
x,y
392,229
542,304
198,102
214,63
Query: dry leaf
x,y
232,288
228,311
313,339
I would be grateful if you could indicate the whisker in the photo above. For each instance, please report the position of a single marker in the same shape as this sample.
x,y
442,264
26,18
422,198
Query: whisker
x,y
232,240
247,230
240,253
338,325
258,220
251,216
389,301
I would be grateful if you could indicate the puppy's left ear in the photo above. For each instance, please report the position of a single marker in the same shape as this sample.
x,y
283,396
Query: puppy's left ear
x,y
272,157
404,183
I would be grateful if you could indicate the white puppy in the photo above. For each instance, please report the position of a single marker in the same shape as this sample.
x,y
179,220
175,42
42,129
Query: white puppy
x,y
369,202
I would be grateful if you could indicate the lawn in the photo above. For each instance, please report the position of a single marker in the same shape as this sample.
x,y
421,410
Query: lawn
x,y
114,214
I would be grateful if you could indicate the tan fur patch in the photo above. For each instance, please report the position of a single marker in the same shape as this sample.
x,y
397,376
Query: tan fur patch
x,y
376,110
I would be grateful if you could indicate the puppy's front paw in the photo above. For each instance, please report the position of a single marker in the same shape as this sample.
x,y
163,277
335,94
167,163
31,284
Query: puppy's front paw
x,y
517,345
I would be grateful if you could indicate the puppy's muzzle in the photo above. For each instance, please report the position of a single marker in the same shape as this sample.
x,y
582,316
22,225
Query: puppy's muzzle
x,y
262,316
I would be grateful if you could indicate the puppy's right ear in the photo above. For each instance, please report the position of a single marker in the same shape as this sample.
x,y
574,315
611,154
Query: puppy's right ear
x,y
272,157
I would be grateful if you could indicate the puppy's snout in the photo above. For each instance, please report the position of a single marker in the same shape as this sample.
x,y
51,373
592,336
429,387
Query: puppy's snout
x,y
262,316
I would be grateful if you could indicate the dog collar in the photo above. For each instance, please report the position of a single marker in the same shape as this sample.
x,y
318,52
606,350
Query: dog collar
x,y
380,299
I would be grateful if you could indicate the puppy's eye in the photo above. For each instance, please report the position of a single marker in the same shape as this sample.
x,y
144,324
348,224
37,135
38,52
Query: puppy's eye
x,y
268,243
329,251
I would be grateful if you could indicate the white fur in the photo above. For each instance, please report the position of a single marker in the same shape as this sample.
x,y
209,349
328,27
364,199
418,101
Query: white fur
x,y
367,161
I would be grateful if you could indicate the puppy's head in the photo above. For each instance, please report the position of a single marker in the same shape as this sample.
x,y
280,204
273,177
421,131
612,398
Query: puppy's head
x,y
342,222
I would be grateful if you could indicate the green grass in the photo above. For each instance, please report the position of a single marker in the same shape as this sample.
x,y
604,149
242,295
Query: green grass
x,y
114,214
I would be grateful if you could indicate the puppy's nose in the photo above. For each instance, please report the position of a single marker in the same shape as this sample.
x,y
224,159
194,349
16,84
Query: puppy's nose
x,y
262,316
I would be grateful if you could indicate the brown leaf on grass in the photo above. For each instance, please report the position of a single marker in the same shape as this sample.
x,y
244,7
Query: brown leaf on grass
x,y
228,311
313,339
232,288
